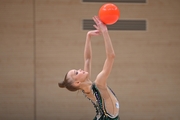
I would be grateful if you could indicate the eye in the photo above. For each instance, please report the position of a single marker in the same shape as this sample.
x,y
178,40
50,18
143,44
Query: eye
x,y
76,72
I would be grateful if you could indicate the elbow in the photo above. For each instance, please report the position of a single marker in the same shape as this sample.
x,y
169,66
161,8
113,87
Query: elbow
x,y
112,55
87,60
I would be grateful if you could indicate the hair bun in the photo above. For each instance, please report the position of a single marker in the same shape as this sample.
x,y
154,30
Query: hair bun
x,y
61,85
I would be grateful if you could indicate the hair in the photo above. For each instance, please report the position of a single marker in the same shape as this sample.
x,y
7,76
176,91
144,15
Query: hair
x,y
67,83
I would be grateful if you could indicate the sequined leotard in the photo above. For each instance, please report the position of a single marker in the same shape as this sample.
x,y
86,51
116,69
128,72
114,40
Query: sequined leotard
x,y
101,113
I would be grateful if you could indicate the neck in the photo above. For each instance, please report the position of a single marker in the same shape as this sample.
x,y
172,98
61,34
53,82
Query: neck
x,y
86,87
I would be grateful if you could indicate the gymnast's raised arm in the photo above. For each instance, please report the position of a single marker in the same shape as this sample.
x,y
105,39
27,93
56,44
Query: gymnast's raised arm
x,y
101,78
88,51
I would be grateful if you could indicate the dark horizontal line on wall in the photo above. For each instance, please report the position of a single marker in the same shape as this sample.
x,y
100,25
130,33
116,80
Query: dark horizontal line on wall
x,y
119,25
120,1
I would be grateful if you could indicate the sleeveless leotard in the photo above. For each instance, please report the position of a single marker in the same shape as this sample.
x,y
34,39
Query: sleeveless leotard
x,y
101,113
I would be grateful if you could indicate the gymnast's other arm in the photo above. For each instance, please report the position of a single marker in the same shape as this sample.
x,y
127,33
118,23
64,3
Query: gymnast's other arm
x,y
88,51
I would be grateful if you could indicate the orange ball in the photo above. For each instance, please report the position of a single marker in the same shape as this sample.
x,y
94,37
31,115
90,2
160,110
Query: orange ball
x,y
109,13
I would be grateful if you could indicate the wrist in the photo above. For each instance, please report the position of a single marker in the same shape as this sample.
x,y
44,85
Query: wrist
x,y
88,34
104,30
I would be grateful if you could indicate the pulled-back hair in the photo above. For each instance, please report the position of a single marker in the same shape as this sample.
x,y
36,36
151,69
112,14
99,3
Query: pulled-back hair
x,y
67,83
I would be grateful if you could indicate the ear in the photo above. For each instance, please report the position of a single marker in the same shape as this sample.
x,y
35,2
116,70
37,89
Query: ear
x,y
76,83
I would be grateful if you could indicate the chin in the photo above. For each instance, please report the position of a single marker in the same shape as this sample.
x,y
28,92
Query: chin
x,y
84,72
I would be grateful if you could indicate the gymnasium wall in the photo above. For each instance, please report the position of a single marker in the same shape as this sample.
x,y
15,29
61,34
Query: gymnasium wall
x,y
40,40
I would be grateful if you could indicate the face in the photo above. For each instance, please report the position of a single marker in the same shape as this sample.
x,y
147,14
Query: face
x,y
78,75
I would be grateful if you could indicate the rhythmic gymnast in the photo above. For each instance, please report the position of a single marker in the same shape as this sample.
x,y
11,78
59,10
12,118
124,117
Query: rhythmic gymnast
x,y
98,92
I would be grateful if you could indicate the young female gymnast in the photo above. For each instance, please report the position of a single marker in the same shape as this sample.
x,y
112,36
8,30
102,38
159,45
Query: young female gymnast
x,y
101,96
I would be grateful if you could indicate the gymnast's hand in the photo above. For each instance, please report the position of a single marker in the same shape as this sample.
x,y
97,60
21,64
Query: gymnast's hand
x,y
99,24
94,33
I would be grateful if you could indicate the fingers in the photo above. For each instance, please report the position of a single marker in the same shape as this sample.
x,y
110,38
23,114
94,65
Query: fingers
x,y
96,27
94,32
99,24
96,20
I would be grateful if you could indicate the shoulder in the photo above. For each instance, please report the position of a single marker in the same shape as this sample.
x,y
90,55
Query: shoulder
x,y
100,86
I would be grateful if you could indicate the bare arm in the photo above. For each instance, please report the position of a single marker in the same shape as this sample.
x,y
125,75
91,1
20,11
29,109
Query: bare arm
x,y
110,55
88,51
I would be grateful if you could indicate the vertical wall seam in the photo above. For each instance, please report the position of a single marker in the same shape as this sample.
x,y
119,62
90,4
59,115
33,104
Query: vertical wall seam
x,y
34,37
